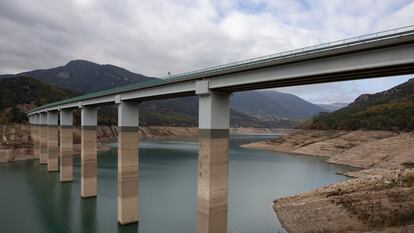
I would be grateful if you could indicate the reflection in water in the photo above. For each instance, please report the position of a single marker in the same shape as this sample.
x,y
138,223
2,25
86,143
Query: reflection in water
x,y
130,228
37,202
44,190
87,215
65,204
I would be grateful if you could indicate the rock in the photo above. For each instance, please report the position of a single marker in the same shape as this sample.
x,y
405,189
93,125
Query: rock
x,y
363,149
379,199
365,204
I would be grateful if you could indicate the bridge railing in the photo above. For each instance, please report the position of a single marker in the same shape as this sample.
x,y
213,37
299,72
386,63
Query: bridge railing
x,y
388,34
383,35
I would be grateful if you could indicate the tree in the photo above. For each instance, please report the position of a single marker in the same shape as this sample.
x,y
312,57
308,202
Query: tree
x,y
16,115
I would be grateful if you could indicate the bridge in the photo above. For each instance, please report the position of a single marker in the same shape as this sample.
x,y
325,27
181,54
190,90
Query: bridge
x,y
375,55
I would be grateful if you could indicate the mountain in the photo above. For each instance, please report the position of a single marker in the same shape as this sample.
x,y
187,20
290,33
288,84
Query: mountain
x,y
275,108
85,76
6,76
273,105
19,94
332,107
185,110
387,110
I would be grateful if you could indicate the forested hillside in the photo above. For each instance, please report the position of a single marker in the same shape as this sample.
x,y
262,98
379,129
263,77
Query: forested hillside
x,y
19,94
388,110
276,109
85,76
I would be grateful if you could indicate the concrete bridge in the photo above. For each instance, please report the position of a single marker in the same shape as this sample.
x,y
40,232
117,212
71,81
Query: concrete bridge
x,y
375,55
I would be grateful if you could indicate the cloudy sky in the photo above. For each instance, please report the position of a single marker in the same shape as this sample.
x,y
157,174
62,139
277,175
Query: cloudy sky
x,y
154,37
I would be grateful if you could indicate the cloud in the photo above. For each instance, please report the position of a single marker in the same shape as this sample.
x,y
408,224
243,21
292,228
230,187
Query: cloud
x,y
345,91
154,37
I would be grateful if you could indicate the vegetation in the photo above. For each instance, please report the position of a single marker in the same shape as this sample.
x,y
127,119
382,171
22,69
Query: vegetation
x,y
276,109
388,110
19,94
86,77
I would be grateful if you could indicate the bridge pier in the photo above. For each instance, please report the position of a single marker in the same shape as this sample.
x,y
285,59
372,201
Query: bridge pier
x,y
66,145
31,122
52,142
43,138
128,160
36,136
212,179
88,152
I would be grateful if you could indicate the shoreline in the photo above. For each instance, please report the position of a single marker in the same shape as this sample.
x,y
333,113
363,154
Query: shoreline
x,y
16,142
377,198
359,149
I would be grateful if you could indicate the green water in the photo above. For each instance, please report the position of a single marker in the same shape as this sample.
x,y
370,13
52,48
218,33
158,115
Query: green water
x,y
33,200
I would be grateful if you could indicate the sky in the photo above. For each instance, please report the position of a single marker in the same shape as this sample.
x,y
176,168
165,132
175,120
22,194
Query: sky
x,y
154,37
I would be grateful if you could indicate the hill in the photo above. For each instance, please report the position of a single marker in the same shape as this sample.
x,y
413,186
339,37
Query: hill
x,y
275,108
273,105
333,107
387,110
85,76
185,110
19,94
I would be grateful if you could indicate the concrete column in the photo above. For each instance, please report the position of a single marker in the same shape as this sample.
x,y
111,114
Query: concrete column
x,y
212,191
66,145
32,129
52,142
128,159
36,136
88,152
43,138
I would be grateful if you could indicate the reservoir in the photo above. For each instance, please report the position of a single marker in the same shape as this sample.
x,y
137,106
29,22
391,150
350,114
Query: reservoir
x,y
33,200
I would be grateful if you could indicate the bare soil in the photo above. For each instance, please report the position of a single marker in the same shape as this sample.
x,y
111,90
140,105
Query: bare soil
x,y
380,197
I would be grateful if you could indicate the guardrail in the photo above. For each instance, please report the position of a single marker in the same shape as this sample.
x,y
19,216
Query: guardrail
x,y
388,34
383,35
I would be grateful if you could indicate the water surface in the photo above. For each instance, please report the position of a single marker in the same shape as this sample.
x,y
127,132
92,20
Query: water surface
x,y
33,200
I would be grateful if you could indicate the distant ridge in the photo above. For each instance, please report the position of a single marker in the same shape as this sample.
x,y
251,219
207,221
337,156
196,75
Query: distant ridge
x,y
276,109
387,110
332,107
273,104
85,76
19,94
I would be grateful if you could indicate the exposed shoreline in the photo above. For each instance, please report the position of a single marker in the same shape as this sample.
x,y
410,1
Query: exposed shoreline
x,y
380,198
16,142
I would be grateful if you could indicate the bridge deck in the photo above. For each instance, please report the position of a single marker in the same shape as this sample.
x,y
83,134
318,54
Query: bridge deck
x,y
394,37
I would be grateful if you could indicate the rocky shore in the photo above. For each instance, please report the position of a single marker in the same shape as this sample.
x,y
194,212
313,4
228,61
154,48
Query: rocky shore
x,y
16,142
379,198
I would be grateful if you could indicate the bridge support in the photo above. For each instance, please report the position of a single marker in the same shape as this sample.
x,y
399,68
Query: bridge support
x,y
214,115
66,145
36,136
52,142
88,152
128,159
43,138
